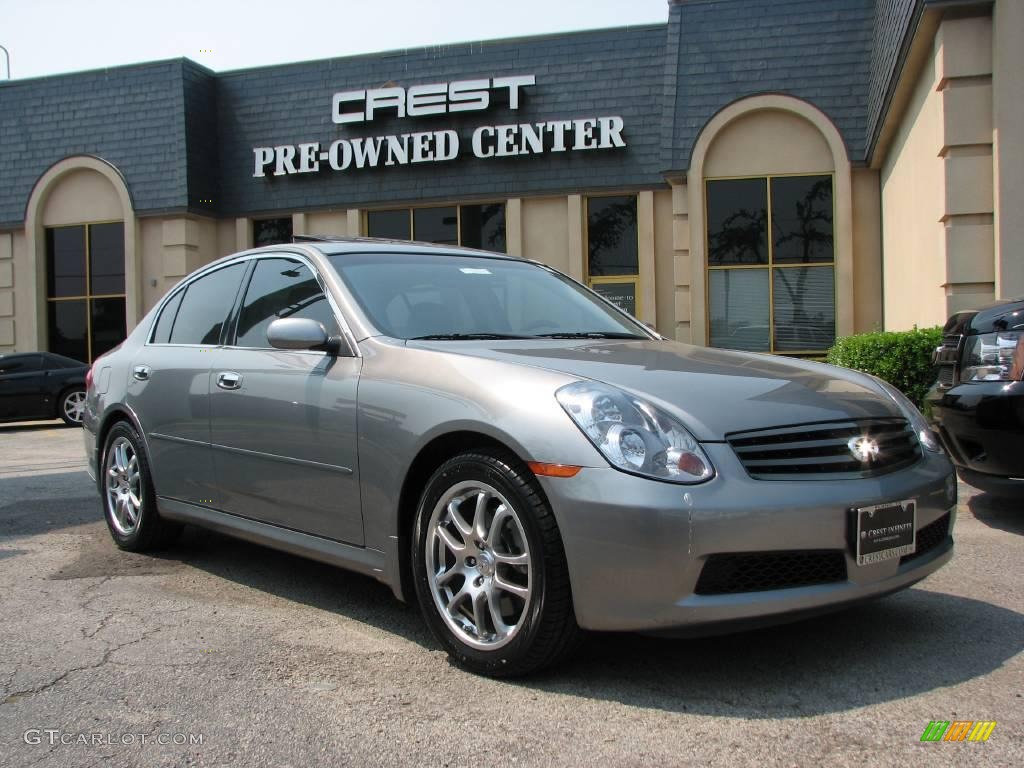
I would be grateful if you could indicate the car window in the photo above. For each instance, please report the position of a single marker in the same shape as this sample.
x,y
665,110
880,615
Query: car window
x,y
164,323
412,295
281,287
21,364
205,306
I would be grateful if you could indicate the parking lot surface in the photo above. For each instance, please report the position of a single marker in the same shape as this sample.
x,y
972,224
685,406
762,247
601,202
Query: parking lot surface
x,y
218,652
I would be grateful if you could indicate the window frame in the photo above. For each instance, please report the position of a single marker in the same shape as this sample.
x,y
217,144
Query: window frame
x,y
410,210
88,297
770,266
591,280
349,347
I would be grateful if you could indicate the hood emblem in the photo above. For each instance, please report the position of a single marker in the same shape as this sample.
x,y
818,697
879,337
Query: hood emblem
x,y
864,449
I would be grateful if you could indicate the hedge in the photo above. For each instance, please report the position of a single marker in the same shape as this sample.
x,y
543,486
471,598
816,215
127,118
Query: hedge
x,y
902,358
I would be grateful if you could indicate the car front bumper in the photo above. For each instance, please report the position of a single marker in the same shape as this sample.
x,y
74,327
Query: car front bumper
x,y
636,548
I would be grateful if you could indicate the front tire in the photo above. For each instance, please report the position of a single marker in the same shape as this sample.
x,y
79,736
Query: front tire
x,y
489,567
71,407
129,502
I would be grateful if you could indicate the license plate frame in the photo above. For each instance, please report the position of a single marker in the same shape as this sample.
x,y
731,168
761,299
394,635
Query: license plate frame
x,y
881,533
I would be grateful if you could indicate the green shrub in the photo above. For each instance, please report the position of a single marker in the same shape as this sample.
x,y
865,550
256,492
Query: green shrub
x,y
902,358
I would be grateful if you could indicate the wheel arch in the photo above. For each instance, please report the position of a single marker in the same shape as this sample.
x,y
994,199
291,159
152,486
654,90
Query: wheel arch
x,y
431,456
114,415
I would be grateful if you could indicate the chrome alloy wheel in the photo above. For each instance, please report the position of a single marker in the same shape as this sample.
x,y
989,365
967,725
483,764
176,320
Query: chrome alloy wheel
x,y
124,486
478,565
74,406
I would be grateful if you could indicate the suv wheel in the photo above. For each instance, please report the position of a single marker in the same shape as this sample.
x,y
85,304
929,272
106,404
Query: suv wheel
x,y
490,570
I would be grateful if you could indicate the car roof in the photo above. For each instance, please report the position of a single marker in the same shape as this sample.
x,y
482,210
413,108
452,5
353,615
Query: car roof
x,y
333,245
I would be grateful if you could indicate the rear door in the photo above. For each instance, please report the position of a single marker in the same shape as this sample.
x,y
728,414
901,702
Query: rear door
x,y
169,384
22,391
283,423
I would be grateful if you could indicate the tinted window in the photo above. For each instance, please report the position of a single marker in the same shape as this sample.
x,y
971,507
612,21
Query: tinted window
x,y
162,331
281,288
436,225
108,324
483,226
20,364
205,306
106,260
67,327
272,231
65,262
737,221
801,219
611,236
393,225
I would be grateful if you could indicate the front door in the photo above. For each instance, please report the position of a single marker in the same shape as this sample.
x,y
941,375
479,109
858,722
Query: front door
x,y
22,394
283,423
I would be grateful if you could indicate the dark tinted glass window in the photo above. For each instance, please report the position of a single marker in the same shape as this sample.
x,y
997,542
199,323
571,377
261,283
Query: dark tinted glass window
x,y
67,326
393,225
162,331
436,225
65,262
272,231
108,324
737,211
738,309
21,364
611,236
106,258
802,219
205,306
805,308
483,226
281,288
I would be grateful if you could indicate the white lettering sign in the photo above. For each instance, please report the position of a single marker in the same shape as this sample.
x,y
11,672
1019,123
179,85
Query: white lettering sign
x,y
487,141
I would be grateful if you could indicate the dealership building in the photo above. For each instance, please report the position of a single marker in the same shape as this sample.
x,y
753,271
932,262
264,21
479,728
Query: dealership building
x,y
755,174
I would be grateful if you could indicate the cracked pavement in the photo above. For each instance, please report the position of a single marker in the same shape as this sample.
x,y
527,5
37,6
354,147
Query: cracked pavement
x,y
275,660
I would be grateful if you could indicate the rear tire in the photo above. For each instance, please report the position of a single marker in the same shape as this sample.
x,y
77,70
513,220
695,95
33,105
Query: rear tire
x,y
71,406
126,488
489,567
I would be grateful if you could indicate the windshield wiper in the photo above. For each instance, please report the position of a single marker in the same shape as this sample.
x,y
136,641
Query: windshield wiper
x,y
590,335
466,336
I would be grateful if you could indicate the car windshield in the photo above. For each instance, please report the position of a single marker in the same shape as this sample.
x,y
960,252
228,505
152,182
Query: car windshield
x,y
442,296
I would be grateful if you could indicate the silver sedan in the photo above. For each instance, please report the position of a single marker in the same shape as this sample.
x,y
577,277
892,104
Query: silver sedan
x,y
491,439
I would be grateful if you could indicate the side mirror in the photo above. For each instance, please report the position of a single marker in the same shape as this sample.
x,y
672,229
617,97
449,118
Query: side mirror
x,y
301,333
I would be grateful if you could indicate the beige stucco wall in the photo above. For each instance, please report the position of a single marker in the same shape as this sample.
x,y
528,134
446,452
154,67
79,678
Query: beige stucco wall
x,y
867,251
913,193
664,264
766,142
545,228
81,197
1008,137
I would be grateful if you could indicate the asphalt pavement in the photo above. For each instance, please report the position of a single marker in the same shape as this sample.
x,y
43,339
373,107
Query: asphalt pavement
x,y
219,652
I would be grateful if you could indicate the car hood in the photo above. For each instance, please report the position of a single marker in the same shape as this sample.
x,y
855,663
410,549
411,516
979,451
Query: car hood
x,y
714,391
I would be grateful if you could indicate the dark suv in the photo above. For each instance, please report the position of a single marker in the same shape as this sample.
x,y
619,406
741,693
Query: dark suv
x,y
977,404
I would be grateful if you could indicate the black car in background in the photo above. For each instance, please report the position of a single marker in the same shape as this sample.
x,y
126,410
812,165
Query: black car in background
x,y
977,404
41,385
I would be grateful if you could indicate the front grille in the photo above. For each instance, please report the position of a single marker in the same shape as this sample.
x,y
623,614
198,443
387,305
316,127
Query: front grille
x,y
946,358
947,375
821,451
929,537
727,574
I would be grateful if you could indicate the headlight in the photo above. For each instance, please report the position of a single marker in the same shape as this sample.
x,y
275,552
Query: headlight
x,y
994,357
928,439
633,435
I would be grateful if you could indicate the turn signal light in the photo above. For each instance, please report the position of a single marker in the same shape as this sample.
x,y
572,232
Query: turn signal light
x,y
553,470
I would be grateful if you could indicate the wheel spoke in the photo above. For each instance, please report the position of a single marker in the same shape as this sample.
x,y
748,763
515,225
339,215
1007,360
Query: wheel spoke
x,y
501,514
446,576
480,515
513,589
510,559
449,541
480,610
496,618
460,522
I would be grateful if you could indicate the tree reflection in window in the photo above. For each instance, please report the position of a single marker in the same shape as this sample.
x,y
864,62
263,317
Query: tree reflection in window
x,y
612,236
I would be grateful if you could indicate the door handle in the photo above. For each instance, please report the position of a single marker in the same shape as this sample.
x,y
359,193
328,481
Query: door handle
x,y
141,372
229,380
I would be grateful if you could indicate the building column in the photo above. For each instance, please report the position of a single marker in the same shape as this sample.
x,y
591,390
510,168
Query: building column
x,y
514,226
243,233
299,224
645,256
6,292
577,258
965,83
1008,118
354,219
682,263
